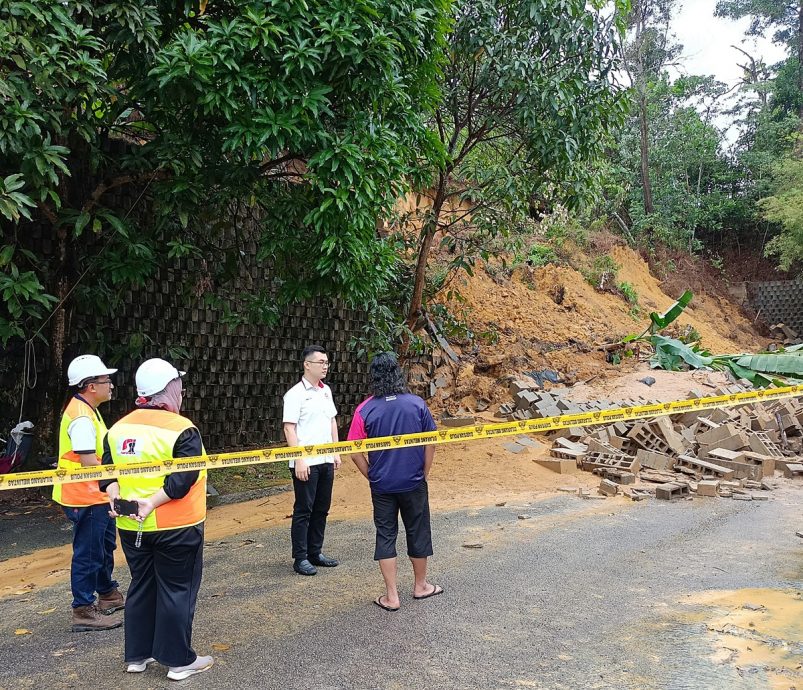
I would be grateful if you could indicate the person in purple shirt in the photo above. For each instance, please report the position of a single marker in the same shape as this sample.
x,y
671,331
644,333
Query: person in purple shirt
x,y
398,477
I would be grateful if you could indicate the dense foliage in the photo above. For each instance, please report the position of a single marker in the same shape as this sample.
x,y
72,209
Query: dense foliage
x,y
293,122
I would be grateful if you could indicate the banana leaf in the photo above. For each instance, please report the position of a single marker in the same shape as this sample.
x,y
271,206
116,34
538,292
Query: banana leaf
x,y
740,372
661,321
671,352
787,364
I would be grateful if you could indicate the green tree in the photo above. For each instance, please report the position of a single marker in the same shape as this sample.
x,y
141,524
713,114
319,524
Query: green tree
x,y
785,18
527,102
785,207
294,122
650,48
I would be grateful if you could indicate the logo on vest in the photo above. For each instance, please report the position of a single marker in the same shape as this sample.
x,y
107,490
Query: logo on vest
x,y
128,447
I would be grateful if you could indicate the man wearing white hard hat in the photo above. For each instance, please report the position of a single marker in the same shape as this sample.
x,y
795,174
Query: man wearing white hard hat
x,y
162,533
81,445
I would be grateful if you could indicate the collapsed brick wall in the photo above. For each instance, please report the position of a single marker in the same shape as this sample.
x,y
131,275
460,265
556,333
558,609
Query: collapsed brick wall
x,y
778,301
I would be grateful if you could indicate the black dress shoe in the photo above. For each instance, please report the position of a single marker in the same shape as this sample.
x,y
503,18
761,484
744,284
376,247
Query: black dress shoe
x,y
323,561
304,567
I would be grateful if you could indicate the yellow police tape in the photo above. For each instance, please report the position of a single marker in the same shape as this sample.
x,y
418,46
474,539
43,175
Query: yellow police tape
x,y
26,480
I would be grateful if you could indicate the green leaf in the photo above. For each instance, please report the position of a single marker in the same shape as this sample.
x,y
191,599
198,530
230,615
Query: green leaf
x,y
661,321
672,350
788,364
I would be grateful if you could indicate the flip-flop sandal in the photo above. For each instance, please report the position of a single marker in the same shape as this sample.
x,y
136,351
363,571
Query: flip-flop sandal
x,y
436,590
378,602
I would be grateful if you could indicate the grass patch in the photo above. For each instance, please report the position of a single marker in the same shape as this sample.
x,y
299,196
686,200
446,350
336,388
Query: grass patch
x,y
235,480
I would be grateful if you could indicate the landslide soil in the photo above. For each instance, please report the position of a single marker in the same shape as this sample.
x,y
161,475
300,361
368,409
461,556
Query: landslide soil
x,y
534,332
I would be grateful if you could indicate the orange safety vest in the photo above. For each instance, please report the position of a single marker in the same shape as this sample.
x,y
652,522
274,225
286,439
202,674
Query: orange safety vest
x,y
78,494
148,435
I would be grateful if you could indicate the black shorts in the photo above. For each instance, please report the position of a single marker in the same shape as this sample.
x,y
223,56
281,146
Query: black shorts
x,y
414,508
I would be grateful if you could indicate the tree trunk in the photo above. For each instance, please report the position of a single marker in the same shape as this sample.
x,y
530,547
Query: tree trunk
x,y
48,422
428,236
645,157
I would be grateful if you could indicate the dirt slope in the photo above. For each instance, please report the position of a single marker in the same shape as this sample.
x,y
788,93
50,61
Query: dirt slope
x,y
535,332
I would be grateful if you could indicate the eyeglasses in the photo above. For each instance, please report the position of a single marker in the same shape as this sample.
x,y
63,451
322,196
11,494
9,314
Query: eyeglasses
x,y
100,383
322,362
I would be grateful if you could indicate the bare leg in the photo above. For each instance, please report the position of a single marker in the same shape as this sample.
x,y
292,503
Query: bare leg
x,y
387,567
420,573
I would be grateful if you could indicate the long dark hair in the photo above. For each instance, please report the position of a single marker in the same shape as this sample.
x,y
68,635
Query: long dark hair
x,y
387,377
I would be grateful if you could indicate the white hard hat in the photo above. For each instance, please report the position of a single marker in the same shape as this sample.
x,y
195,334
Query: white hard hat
x,y
153,376
86,367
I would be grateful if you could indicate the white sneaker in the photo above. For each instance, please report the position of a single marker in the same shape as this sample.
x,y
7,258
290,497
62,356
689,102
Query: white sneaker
x,y
201,664
139,666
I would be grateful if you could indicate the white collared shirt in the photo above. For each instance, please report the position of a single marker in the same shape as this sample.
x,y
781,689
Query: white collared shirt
x,y
311,409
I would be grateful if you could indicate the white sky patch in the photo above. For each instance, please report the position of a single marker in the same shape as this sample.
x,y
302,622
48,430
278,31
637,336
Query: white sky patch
x,y
707,47
707,42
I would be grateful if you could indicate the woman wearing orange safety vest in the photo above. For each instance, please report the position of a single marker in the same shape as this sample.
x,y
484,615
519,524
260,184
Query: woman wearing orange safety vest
x,y
163,540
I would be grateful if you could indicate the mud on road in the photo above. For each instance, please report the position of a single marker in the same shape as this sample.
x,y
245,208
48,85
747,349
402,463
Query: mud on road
x,y
544,591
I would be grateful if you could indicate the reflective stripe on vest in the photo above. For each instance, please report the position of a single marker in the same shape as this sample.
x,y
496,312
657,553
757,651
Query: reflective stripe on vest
x,y
150,436
78,494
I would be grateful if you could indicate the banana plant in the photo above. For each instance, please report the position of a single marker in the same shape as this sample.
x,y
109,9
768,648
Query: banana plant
x,y
761,369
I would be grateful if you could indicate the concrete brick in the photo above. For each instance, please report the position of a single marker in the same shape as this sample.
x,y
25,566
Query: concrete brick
x,y
721,415
713,437
608,488
518,385
674,440
766,462
561,466
671,491
617,442
513,447
567,454
760,443
743,470
526,399
655,461
708,487
610,460
574,433
646,438
701,468
793,470
738,441
716,454
600,446
742,497
571,445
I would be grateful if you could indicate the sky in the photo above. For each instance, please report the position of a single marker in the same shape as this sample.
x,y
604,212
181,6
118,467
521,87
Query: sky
x,y
707,42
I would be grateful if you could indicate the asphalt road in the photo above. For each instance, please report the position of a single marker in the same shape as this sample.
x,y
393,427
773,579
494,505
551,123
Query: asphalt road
x,y
578,594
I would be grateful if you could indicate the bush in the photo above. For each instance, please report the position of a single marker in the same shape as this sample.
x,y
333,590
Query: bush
x,y
541,255
602,274
629,293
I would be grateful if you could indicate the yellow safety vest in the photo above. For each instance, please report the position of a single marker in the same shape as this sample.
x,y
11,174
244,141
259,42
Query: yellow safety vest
x,y
78,494
148,435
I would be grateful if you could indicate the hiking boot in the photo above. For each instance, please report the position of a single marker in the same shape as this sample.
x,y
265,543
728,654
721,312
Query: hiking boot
x,y
111,602
201,664
87,618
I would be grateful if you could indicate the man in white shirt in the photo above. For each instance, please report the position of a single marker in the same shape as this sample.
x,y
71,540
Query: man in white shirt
x,y
309,419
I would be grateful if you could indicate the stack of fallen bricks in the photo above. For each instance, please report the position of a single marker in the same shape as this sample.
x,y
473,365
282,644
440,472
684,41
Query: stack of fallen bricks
x,y
726,452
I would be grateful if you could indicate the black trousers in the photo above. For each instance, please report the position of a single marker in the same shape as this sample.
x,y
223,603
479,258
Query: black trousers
x,y
414,508
165,577
311,507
